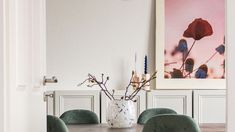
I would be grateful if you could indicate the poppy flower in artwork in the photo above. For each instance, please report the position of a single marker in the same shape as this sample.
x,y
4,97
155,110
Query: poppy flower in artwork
x,y
166,76
189,64
202,71
223,64
176,73
220,49
204,68
198,29
200,74
174,51
182,46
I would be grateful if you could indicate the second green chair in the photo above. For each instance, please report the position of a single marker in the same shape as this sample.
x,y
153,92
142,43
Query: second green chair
x,y
149,113
55,124
79,117
171,123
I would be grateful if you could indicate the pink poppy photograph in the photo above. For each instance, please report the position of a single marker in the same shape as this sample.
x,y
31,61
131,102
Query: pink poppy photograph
x,y
194,39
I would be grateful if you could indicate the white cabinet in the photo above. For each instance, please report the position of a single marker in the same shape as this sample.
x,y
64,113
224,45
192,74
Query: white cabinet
x,y
79,99
210,106
49,98
140,104
178,100
206,106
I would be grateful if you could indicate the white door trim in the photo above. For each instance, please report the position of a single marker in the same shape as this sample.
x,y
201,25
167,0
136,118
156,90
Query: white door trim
x,y
230,66
2,68
10,36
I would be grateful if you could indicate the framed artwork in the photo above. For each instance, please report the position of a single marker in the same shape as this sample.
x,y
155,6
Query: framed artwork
x,y
190,44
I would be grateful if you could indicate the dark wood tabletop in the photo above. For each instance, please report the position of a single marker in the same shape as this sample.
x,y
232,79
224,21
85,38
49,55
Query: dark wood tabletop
x,y
136,128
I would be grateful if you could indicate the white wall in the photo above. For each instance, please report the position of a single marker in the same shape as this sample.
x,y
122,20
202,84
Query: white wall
x,y
230,66
98,36
1,69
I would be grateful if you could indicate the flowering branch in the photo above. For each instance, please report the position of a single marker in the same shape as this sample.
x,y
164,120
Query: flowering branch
x,y
143,84
132,74
102,84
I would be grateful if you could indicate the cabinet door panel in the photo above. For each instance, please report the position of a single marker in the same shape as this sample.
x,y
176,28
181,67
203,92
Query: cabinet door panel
x,y
210,106
81,99
178,100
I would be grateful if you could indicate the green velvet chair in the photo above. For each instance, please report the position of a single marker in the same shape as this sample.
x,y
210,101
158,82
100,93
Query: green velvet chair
x,y
147,114
55,124
171,123
79,117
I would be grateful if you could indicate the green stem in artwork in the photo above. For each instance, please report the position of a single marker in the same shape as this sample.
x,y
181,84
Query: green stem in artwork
x,y
211,57
188,54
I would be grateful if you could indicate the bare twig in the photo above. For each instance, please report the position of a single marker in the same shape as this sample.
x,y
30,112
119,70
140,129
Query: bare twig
x,y
92,79
140,88
80,84
107,78
102,84
107,90
91,85
132,74
142,85
102,77
104,88
113,92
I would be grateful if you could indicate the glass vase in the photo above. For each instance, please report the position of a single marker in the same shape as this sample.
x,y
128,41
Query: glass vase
x,y
121,113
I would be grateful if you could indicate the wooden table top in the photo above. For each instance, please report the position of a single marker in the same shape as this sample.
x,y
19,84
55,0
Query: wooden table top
x,y
136,128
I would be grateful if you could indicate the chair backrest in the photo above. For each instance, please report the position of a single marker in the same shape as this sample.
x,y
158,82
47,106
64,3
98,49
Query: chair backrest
x,y
171,123
149,113
79,117
55,124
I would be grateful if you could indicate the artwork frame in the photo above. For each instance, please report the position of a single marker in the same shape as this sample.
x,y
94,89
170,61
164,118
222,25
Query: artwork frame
x,y
161,82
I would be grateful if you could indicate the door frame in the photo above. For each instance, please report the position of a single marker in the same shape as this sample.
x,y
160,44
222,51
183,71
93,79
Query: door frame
x,y
8,10
2,69
230,66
